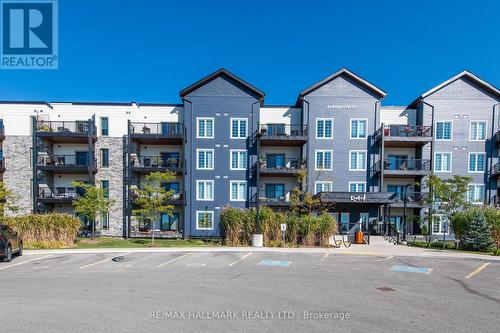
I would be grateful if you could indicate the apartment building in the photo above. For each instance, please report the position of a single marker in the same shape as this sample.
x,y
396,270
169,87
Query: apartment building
x,y
227,147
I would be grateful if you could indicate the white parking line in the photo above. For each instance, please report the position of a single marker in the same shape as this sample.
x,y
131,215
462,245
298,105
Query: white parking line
x,y
325,256
477,270
172,260
101,261
240,259
24,262
388,258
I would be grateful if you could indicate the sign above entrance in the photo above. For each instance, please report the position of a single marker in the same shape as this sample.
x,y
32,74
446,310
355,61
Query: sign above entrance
x,y
358,198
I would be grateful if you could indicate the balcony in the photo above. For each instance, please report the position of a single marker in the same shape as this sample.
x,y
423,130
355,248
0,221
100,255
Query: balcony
x,y
497,138
281,167
404,167
2,165
405,135
59,194
177,198
66,163
2,132
78,131
274,198
148,164
413,199
495,170
282,135
156,133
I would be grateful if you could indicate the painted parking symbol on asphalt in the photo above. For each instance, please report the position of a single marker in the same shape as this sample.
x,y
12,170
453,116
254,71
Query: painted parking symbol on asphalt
x,y
281,263
411,269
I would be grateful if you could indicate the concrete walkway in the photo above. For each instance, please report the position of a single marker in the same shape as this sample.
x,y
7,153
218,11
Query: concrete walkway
x,y
381,250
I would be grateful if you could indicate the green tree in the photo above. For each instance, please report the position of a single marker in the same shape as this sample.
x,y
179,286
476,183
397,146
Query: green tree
x,y
93,203
478,234
7,200
153,197
447,196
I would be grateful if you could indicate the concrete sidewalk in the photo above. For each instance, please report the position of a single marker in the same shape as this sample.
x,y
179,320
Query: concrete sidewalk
x,y
381,250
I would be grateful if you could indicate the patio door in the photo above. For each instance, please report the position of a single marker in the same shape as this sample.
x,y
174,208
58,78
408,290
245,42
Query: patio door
x,y
275,160
396,161
275,190
82,158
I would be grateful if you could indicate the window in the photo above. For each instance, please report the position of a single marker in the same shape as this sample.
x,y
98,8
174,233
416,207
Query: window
x,y
358,128
477,162
105,221
205,190
275,191
442,162
324,128
238,159
357,186
344,222
238,190
104,126
169,222
357,160
105,187
275,161
105,157
475,194
205,159
443,130
322,186
477,130
238,128
205,128
323,160
204,220
440,224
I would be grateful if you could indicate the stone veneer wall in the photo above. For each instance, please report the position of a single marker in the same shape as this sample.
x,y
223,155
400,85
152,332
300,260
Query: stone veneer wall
x,y
19,172
113,173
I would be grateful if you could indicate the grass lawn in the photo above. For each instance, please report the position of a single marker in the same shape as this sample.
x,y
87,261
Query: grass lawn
x,y
117,242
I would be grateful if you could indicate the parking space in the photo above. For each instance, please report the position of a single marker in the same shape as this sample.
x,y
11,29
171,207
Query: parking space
x,y
368,286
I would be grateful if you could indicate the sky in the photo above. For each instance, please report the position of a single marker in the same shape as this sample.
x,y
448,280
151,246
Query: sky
x,y
147,51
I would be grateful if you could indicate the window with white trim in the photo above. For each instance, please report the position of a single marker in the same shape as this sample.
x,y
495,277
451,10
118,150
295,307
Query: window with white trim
x,y
477,162
204,220
477,131
357,160
440,224
205,190
238,190
239,128
238,159
359,128
205,159
323,160
324,128
322,186
443,130
205,128
442,162
475,194
357,186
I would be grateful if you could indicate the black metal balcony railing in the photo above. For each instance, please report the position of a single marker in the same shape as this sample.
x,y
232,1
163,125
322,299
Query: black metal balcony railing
x,y
407,131
411,197
166,128
64,161
65,127
60,193
177,195
403,165
282,164
282,130
156,162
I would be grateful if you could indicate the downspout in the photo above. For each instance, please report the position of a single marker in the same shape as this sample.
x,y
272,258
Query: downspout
x,y
127,225
494,126
308,187
257,171
34,156
187,207
431,208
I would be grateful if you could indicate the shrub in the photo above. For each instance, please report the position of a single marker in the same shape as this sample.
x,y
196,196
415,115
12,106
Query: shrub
x,y
327,227
308,227
231,222
45,230
292,229
462,220
478,234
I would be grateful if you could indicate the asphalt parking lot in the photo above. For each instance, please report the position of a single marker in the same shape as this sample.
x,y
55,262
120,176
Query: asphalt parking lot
x,y
248,292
